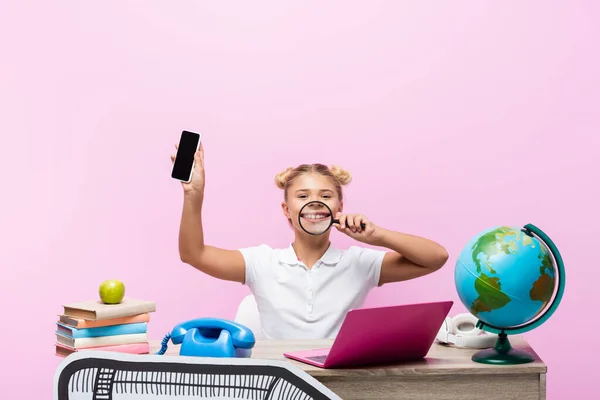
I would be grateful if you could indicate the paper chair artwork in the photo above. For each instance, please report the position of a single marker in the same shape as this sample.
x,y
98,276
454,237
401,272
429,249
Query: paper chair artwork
x,y
101,375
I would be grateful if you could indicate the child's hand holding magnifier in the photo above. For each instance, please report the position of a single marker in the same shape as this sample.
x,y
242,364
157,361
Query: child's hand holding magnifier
x,y
316,218
357,226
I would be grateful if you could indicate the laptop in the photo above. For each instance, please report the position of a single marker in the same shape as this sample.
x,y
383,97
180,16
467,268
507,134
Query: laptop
x,y
380,335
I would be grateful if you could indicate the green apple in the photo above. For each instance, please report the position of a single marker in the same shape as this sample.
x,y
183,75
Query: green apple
x,y
112,291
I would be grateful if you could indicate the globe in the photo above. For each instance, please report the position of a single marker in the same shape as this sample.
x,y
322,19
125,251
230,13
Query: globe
x,y
512,280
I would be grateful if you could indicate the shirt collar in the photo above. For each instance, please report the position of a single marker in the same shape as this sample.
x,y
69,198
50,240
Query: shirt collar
x,y
331,257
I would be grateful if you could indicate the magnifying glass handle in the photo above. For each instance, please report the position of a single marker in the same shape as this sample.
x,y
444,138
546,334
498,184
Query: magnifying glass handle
x,y
337,221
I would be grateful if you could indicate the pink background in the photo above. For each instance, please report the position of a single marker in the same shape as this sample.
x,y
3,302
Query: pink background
x,y
452,117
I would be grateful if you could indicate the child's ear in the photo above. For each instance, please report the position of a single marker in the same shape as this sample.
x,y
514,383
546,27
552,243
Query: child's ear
x,y
341,206
285,209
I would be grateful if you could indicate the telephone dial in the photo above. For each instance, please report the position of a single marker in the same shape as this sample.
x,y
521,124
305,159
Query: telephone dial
x,y
211,337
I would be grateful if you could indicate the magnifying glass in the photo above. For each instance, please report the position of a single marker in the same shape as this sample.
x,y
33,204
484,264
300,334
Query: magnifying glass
x,y
315,218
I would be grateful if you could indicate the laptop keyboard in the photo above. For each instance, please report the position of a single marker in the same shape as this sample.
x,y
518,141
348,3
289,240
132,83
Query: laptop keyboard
x,y
320,359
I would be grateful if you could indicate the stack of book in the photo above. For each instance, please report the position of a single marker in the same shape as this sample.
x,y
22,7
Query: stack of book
x,y
93,325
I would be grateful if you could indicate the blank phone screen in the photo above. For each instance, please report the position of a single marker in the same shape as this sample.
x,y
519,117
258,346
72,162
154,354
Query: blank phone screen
x,y
184,159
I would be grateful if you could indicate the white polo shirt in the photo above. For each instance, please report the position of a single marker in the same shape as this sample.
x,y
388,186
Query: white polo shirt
x,y
295,302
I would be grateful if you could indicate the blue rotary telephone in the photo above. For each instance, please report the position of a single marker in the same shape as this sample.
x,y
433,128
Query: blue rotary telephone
x,y
211,337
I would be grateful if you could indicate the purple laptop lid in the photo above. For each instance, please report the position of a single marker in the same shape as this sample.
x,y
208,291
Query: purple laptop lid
x,y
387,334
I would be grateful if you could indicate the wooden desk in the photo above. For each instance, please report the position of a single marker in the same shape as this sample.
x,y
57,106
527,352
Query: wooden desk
x,y
446,373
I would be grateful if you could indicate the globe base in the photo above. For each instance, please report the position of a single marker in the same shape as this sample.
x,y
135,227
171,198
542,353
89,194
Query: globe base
x,y
502,353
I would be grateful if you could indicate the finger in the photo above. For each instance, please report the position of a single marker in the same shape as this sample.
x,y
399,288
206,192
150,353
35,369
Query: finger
x,y
200,154
176,145
335,224
357,221
366,222
198,160
172,158
350,222
342,221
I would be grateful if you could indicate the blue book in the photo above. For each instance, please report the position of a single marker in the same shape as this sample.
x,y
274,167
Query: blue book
x,y
113,330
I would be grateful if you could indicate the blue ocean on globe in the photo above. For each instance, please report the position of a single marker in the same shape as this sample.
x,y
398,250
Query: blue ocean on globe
x,y
505,277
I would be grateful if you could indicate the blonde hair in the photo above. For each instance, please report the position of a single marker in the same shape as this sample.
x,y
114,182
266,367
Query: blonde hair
x,y
338,176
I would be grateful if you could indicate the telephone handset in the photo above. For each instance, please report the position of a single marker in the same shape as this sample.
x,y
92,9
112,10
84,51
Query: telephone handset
x,y
211,337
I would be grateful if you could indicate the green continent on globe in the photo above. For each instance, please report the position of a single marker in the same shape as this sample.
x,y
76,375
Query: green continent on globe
x,y
502,240
543,287
490,296
493,243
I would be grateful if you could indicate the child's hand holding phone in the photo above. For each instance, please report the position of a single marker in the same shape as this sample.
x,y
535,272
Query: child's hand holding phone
x,y
188,163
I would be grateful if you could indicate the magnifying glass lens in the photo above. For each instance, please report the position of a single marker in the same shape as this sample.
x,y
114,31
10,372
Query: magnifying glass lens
x,y
315,218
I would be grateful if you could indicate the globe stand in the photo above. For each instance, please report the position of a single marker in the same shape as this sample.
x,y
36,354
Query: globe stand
x,y
502,353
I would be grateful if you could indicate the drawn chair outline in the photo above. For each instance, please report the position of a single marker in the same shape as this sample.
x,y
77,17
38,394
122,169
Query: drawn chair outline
x,y
103,374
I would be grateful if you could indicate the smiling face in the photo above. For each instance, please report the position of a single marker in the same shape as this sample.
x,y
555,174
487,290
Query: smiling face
x,y
305,189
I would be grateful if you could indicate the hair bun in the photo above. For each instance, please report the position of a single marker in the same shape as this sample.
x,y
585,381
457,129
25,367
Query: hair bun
x,y
342,175
281,178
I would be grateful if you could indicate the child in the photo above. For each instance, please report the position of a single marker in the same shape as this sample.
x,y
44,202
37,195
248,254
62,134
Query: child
x,y
305,290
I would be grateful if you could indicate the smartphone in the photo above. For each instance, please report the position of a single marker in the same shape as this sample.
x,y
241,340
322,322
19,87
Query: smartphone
x,y
184,159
